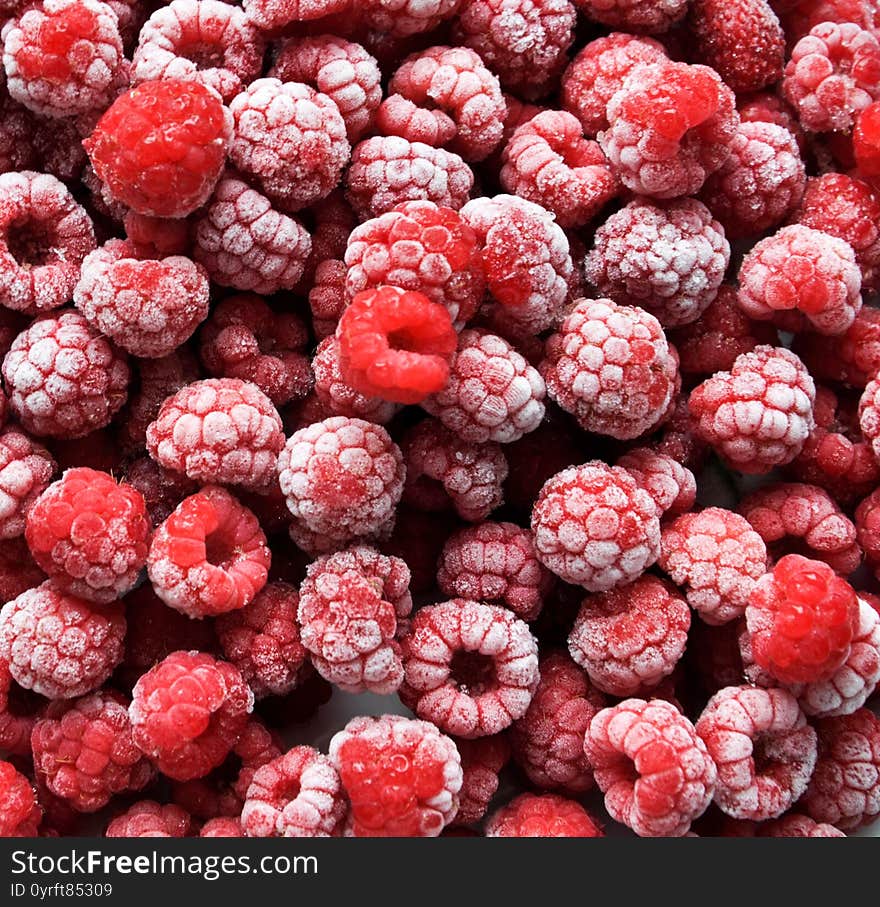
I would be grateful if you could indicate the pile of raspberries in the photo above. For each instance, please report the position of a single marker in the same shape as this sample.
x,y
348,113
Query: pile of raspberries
x,y
513,362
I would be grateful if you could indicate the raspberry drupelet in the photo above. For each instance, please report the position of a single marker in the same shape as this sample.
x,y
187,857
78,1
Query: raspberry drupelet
x,y
672,485
272,15
542,816
481,761
20,814
852,358
470,668
149,819
610,366
26,468
350,608
654,770
203,40
210,556
160,147
795,825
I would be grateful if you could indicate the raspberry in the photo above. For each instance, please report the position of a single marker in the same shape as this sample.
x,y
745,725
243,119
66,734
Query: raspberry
x,y
327,297
218,430
401,19
794,518
670,126
331,221
418,539
58,645
757,415
269,15
395,344
342,478
64,57
297,795
672,486
222,827
349,609
443,470
243,242
654,770
470,668
210,556
202,40
769,107
549,162
610,366
867,518
852,358
542,816
16,720
401,776
20,814
635,15
388,170
481,761
340,70
801,619
44,237
804,16
866,142
149,819
26,469
522,41
797,826
17,137
160,147
832,75
845,789
869,415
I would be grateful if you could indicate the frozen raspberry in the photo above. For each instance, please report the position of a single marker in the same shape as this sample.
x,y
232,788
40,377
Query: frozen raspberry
x,y
542,816
20,813
210,556
26,469
481,761
342,478
58,645
867,518
149,819
671,485
203,40
271,15
19,710
156,237
610,366
797,826
799,16
160,147
769,107
869,414
327,297
443,470
331,221
245,243
418,539
17,137
64,57
222,827
852,358
44,237
388,170
654,770
401,18
866,143
845,789
651,16
833,74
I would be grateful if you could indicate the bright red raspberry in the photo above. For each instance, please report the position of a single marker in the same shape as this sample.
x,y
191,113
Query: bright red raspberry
x,y
481,761
388,170
654,770
833,73
852,358
269,15
542,816
44,237
670,126
610,366
64,57
845,789
442,470
149,819
58,645
672,485
795,825
210,556
327,297
20,814
800,16
26,468
161,146
350,607
866,143
202,40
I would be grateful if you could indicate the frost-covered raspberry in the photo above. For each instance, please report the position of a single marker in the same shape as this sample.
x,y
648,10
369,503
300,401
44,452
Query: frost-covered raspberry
x,y
799,17
867,518
648,16
869,414
444,470
58,645
26,468
402,18
209,556
832,75
852,358
654,770
17,137
795,825
149,819
20,814
328,297
160,148
349,608
542,816
481,761
671,484
203,40
388,170
270,15
44,237
222,827
64,57
611,367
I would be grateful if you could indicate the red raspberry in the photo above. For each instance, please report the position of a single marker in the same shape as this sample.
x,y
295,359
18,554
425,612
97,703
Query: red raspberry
x,y
20,814
548,161
297,795
797,826
801,619
401,776
204,40
388,170
670,126
647,16
26,468
327,297
522,41
769,107
342,478
806,15
845,789
16,718
210,556
270,15
443,470
331,221
867,518
852,358
64,57
17,136
866,143
58,645
44,237
471,668
833,73
350,607
156,237
671,485
542,816
481,761
222,827
160,147
244,243
654,770
610,366
149,819
869,415
409,17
